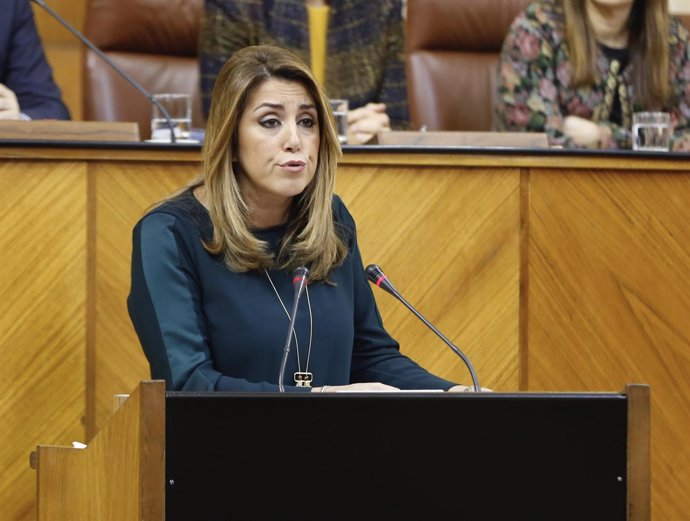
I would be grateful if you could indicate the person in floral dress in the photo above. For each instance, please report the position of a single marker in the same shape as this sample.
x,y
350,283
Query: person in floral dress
x,y
579,69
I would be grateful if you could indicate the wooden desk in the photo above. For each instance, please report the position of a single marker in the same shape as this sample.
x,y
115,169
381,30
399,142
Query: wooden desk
x,y
552,271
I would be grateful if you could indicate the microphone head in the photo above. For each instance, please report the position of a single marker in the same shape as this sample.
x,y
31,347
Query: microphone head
x,y
300,275
375,274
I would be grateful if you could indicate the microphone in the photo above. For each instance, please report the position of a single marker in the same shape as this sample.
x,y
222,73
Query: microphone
x,y
375,274
112,64
300,279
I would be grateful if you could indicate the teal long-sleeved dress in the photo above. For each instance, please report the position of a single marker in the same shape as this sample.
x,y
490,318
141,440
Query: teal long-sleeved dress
x,y
204,327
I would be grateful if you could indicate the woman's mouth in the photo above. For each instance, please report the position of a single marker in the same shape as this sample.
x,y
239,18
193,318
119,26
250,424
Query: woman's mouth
x,y
294,165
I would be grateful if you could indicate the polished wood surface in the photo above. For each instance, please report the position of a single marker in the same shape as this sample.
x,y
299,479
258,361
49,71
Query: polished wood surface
x,y
119,476
42,319
639,453
53,130
551,271
451,138
63,51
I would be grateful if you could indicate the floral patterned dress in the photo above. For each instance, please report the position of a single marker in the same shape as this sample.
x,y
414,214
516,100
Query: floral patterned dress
x,y
535,92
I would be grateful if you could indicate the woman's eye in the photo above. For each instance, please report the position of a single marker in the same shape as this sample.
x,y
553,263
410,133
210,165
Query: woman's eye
x,y
307,122
270,123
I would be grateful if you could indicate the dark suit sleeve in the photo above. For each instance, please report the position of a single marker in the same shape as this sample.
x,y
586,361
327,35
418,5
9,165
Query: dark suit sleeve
x,y
166,306
27,72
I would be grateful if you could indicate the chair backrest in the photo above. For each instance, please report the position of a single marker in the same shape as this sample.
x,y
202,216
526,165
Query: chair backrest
x,y
684,18
155,42
452,50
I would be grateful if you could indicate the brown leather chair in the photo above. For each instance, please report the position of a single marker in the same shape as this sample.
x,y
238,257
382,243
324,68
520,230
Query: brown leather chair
x,y
452,49
684,18
155,42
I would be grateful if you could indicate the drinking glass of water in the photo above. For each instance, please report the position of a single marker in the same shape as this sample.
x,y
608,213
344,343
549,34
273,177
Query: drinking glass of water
x,y
651,131
340,108
179,108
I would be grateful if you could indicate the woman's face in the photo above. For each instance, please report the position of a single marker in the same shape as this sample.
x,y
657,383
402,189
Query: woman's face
x,y
278,143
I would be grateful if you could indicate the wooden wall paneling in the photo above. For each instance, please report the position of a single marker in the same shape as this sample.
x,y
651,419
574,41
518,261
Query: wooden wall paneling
x,y
123,191
52,31
119,476
42,319
608,291
65,60
448,238
594,249
63,50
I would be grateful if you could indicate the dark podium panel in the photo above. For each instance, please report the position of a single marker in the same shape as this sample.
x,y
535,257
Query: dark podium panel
x,y
421,456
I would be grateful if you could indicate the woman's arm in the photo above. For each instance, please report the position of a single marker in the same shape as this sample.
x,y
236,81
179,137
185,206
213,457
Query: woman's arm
x,y
527,94
166,308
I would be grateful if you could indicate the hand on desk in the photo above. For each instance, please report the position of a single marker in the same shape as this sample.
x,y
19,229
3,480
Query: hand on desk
x,y
364,387
586,133
9,106
377,387
467,388
365,122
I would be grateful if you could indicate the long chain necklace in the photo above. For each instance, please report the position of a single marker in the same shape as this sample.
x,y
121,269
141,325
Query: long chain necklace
x,y
615,84
302,378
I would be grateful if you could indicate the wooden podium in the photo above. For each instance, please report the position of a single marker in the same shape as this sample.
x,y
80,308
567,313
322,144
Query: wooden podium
x,y
216,456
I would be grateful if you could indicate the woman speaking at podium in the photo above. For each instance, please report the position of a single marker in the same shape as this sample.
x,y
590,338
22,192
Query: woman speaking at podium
x,y
212,265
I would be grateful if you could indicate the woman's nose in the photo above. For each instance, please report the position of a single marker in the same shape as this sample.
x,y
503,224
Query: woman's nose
x,y
293,141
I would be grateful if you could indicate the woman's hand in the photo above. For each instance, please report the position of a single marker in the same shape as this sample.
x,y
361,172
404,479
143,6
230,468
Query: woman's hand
x,y
365,122
467,389
364,387
368,387
586,133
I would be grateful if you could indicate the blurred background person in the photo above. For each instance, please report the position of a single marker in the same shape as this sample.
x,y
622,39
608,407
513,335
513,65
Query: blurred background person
x,y
212,266
354,47
27,89
579,69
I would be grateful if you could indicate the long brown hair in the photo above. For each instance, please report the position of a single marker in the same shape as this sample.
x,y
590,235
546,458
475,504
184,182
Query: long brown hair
x,y
648,43
311,238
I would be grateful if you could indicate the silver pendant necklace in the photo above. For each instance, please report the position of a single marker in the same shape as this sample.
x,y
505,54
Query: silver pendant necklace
x,y
302,378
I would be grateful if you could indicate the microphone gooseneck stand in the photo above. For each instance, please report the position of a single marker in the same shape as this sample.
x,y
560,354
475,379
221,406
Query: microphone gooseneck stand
x,y
300,277
375,275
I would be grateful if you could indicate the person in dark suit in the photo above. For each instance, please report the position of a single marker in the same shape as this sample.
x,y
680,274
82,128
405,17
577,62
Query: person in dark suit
x,y
27,88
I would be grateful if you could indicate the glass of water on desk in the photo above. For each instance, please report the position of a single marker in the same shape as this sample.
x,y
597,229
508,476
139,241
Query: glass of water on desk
x,y
651,131
340,108
179,108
